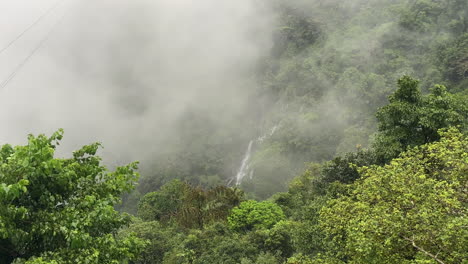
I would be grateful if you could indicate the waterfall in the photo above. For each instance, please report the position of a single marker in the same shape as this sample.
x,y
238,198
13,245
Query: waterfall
x,y
245,164
244,168
265,136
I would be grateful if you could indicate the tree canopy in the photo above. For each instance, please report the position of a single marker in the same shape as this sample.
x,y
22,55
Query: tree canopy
x,y
61,210
412,119
412,210
251,214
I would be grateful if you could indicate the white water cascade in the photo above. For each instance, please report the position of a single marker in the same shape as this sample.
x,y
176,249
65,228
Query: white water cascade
x,y
244,168
245,164
272,131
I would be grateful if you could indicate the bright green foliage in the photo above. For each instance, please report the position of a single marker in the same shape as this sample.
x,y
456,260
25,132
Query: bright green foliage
x,y
255,215
57,210
410,211
299,259
443,109
412,119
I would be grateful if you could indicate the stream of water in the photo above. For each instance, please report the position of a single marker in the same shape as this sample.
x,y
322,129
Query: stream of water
x,y
244,169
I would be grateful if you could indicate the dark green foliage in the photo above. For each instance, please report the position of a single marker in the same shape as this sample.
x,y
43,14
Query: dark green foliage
x,y
296,32
452,57
201,206
343,169
399,121
160,240
190,207
425,15
163,204
214,244
412,119
229,251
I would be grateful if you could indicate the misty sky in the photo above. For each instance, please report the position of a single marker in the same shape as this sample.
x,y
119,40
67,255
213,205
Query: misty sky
x,y
20,105
123,72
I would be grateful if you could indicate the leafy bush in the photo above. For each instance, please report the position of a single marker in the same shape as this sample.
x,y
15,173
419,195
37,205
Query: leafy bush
x,y
251,215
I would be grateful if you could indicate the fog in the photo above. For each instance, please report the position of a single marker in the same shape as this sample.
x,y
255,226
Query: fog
x,y
189,84
125,72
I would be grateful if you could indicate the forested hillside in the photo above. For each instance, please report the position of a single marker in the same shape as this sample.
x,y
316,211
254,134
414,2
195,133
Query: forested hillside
x,y
352,147
331,66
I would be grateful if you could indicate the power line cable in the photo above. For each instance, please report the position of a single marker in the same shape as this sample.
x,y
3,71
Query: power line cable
x,y
48,11
31,54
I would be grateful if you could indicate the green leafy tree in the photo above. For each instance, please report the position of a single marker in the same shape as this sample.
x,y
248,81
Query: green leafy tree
x,y
161,239
255,215
306,196
341,169
412,119
61,210
214,244
277,240
399,120
162,204
410,211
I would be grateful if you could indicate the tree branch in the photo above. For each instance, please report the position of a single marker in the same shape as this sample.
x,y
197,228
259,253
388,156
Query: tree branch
x,y
424,251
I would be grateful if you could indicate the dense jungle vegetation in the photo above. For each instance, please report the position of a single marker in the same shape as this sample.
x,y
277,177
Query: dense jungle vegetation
x,y
367,161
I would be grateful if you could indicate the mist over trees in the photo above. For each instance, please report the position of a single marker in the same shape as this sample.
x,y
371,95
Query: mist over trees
x,y
285,131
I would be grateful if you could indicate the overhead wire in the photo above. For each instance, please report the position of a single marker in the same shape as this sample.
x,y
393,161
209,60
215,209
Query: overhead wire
x,y
39,19
18,68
